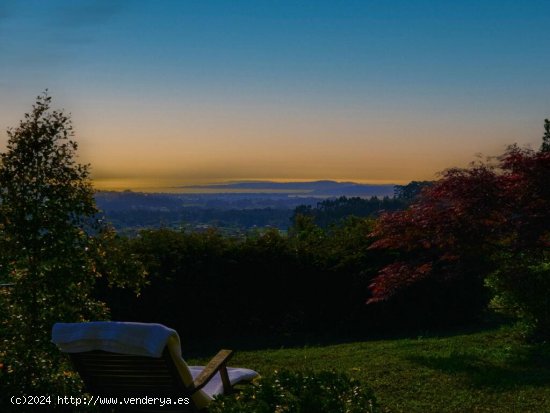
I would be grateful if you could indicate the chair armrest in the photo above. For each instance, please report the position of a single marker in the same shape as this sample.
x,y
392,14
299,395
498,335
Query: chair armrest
x,y
218,363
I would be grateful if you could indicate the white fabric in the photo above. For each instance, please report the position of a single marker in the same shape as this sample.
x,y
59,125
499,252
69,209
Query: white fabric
x,y
143,339
117,337
215,386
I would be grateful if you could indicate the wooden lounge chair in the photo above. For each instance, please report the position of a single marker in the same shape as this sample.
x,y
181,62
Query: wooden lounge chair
x,y
136,363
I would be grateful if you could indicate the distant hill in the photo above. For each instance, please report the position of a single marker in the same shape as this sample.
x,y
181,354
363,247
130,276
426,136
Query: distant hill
x,y
313,188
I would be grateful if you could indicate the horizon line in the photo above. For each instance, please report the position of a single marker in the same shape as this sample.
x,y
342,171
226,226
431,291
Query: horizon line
x,y
176,186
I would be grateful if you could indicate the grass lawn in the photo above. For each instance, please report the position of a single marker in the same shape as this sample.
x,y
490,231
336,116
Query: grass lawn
x,y
488,371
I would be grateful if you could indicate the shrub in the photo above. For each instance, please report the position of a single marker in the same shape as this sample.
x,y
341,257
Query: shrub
x,y
297,392
266,282
521,286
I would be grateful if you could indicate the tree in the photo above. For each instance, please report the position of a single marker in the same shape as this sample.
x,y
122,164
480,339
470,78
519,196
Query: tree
x,y
331,212
487,223
522,280
441,245
411,190
546,137
48,251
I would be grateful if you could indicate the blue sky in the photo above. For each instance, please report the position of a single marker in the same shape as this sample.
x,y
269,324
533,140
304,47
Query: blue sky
x,y
201,91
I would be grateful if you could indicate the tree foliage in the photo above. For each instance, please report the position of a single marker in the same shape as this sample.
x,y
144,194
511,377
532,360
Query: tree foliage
x,y
331,212
410,191
48,251
545,147
522,279
490,218
301,392
313,280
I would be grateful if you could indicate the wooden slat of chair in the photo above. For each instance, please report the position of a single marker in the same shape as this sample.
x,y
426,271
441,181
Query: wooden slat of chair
x,y
118,375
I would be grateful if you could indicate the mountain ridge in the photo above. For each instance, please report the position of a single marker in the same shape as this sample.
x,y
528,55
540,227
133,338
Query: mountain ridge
x,y
314,188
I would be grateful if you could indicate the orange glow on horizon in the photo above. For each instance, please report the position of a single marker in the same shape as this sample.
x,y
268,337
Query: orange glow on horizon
x,y
176,186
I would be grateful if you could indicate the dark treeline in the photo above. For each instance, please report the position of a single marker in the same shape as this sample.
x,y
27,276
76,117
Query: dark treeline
x,y
334,211
200,283
130,212
315,280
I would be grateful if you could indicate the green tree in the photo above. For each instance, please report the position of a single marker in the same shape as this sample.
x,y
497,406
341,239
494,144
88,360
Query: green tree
x,y
48,249
545,147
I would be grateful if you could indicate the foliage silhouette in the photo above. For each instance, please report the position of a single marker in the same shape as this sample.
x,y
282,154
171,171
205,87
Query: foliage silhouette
x,y
52,249
489,219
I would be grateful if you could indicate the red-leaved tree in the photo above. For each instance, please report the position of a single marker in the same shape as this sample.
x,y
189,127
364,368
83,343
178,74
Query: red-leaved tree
x,y
469,224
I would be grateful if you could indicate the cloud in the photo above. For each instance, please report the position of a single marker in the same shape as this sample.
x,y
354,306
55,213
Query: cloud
x,y
88,13
56,20
80,22
6,12
51,33
6,9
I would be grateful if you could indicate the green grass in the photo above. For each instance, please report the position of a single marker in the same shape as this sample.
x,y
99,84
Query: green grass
x,y
488,371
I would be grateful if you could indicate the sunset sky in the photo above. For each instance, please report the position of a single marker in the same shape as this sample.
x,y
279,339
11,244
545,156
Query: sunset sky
x,y
167,93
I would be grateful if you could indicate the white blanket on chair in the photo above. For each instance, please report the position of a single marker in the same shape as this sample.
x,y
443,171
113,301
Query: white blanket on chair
x,y
142,339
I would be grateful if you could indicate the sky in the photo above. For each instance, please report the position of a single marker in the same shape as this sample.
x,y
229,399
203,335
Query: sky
x,y
170,93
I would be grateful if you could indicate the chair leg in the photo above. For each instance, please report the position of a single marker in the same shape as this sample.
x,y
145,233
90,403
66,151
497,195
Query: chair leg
x,y
227,389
